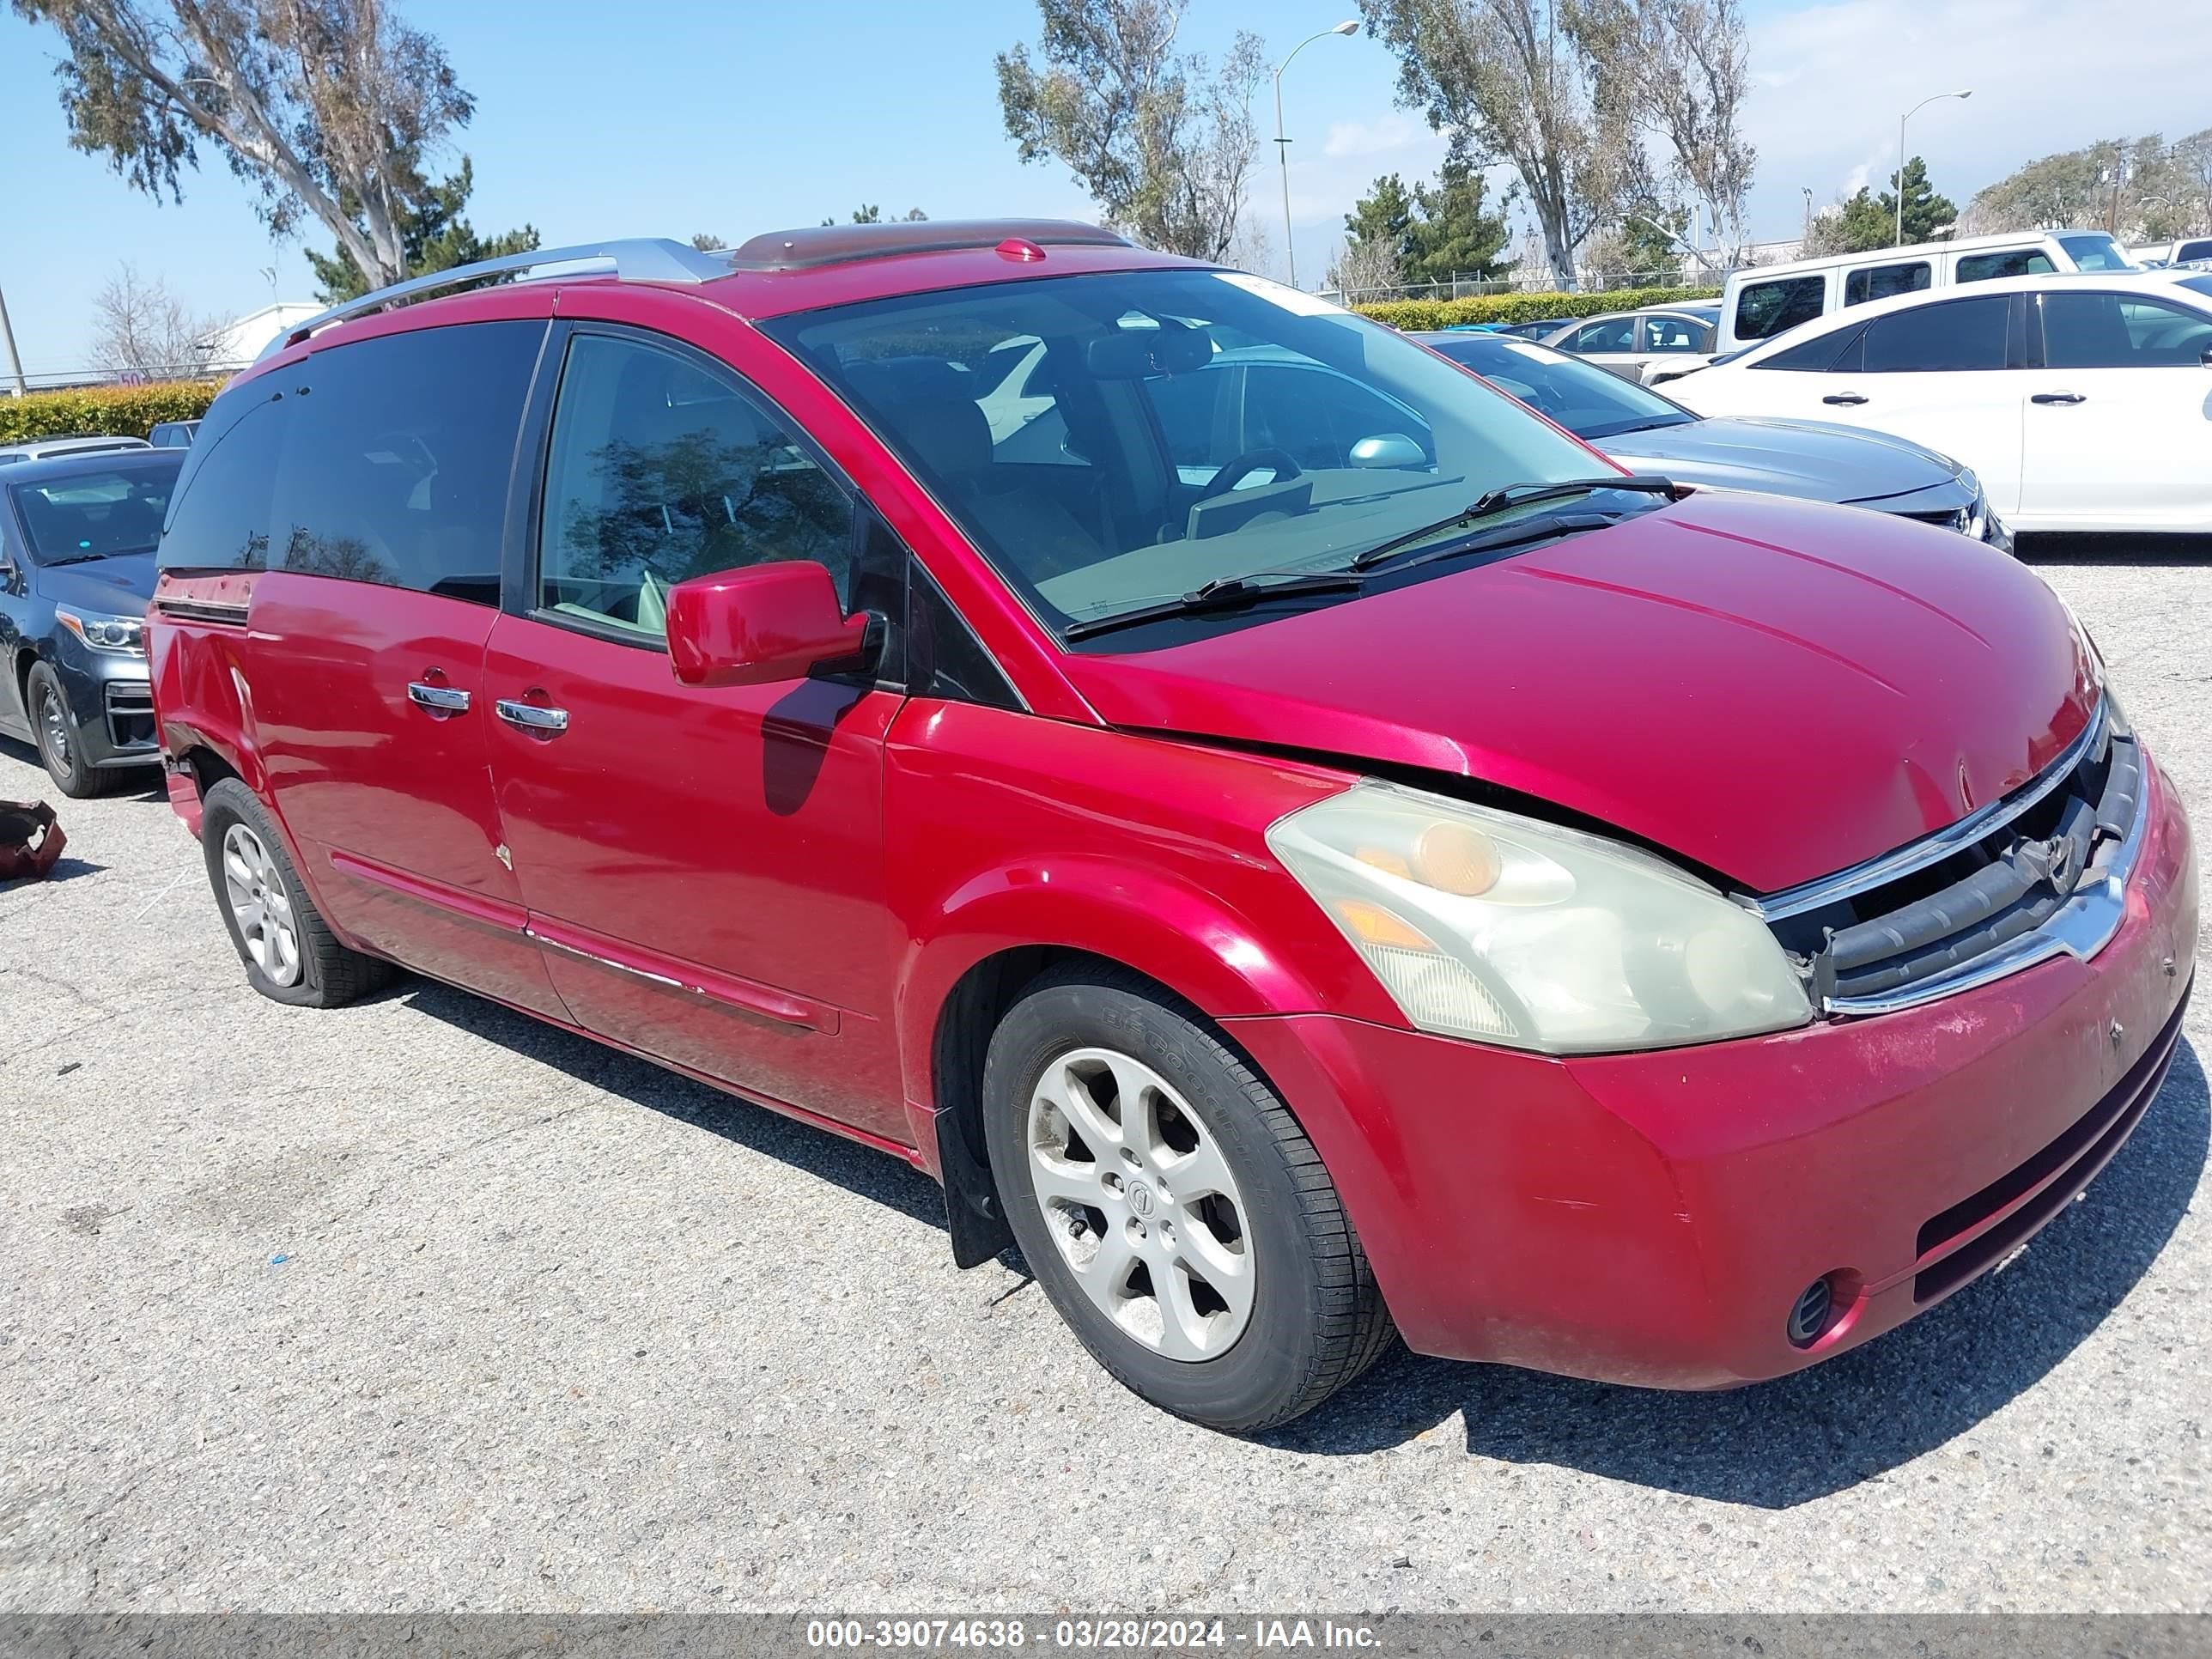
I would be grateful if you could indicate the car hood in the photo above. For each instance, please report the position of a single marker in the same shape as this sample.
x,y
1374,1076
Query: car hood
x,y
119,586
1812,459
1774,689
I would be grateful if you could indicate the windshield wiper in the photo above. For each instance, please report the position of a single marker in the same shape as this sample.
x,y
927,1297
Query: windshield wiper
x,y
1228,593
1492,502
1539,527
87,558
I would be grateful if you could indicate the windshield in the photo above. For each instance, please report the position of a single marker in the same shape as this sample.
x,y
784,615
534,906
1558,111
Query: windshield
x,y
2094,251
1178,428
95,515
1587,400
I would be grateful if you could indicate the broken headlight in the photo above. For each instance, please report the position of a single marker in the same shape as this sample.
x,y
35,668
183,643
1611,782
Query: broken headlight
x,y
1481,924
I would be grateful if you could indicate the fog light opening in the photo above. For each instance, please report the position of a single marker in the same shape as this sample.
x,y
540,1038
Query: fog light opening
x,y
1812,1314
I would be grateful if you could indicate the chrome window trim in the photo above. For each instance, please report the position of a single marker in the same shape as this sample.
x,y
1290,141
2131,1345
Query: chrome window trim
x,y
1943,844
2079,928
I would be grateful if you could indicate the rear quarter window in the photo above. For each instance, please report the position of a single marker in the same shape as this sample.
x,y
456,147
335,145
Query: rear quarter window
x,y
1960,335
219,514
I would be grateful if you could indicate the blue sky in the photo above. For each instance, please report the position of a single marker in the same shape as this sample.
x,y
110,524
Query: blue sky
x,y
667,118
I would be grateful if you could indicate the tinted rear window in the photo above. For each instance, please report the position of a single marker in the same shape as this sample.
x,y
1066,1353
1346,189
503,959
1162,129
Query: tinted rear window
x,y
1765,309
1964,334
397,466
220,517
1885,281
2012,262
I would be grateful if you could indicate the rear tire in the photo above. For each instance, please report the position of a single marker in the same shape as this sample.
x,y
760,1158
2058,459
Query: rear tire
x,y
60,742
1196,1245
291,954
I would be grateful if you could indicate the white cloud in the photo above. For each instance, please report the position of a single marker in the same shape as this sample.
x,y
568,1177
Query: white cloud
x,y
1394,130
1830,80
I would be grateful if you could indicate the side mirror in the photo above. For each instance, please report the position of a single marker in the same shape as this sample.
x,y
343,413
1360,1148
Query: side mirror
x,y
1387,449
772,622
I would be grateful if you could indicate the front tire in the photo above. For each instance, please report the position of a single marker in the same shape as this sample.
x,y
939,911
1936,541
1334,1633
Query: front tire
x,y
60,742
1171,1206
291,954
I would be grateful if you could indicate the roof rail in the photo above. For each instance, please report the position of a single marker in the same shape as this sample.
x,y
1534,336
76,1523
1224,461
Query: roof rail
x,y
830,245
644,259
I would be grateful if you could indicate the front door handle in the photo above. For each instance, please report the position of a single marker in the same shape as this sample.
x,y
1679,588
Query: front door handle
x,y
441,699
1844,398
2058,397
533,717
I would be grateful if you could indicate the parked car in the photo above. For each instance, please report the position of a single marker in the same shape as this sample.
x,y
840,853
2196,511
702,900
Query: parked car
x,y
1759,302
172,435
2079,401
77,566
2188,251
1633,343
1537,329
1671,938
1646,432
40,449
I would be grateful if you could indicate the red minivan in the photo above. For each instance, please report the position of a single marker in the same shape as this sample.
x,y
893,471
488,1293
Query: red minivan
x,y
1292,839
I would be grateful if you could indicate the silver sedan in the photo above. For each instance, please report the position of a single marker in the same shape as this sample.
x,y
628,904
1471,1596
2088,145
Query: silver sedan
x,y
1646,432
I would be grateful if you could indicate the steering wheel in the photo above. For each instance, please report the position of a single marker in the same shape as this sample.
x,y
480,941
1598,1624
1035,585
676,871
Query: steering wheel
x,y
1250,461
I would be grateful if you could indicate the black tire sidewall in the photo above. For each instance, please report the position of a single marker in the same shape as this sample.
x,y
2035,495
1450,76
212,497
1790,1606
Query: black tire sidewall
x,y
231,802
1253,1384
77,780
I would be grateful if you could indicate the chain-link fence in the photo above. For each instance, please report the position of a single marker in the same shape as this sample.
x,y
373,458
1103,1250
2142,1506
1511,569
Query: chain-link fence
x,y
1688,274
198,367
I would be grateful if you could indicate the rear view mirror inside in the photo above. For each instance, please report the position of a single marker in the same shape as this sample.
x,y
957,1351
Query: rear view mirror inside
x,y
1132,353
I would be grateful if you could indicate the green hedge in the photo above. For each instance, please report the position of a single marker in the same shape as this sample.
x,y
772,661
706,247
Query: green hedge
x,y
120,412
1523,307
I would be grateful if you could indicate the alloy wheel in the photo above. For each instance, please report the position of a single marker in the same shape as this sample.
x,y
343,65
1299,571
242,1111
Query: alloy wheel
x,y
1141,1202
53,728
260,906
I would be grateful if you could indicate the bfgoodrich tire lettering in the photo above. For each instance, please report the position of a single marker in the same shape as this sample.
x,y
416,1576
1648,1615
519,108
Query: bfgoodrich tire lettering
x,y
1314,1319
291,954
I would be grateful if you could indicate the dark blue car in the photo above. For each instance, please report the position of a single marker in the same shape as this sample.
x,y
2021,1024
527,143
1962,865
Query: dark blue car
x,y
78,535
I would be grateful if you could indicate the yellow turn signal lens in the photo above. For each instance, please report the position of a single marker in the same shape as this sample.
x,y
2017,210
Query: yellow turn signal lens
x,y
1373,924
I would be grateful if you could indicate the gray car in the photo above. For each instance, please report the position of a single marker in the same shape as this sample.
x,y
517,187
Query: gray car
x,y
1645,432
43,449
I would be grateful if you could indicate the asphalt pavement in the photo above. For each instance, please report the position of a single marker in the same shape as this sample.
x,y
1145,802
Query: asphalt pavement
x,y
420,1305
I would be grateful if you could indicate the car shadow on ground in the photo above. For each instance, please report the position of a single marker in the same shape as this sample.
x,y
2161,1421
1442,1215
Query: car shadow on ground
x,y
811,1152
1818,1433
1772,1446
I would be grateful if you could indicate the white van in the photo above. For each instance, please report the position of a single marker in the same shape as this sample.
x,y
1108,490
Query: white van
x,y
1760,302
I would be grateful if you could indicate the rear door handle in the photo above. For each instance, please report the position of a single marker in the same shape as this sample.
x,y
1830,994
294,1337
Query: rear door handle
x,y
1844,398
444,699
2058,397
532,717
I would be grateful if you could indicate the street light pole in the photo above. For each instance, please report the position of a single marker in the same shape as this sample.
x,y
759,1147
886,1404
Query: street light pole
x,y
1963,93
8,338
1350,26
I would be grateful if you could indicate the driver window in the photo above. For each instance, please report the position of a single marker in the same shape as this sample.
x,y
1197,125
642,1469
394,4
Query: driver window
x,y
662,470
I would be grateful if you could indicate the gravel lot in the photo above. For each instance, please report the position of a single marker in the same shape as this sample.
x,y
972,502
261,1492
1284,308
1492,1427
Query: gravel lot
x,y
420,1305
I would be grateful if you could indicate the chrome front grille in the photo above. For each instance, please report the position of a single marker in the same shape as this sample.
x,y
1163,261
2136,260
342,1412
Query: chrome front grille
x,y
2038,874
